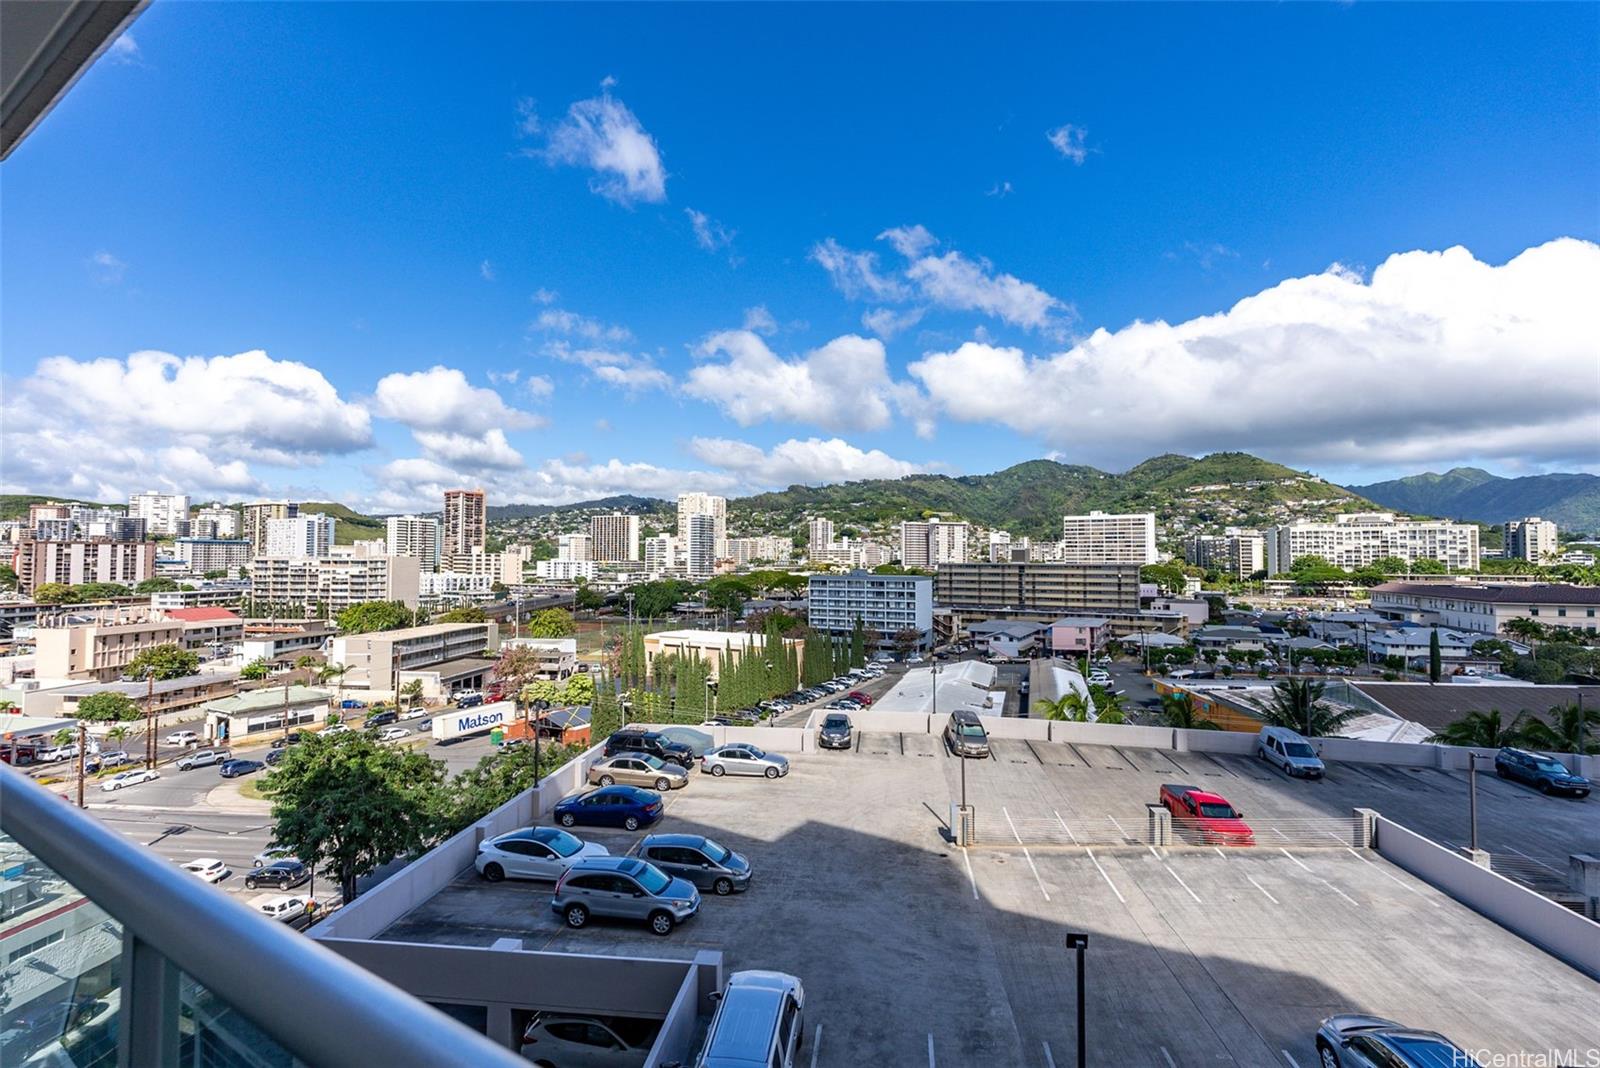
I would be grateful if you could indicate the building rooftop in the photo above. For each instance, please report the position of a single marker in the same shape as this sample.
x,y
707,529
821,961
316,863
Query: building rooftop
x,y
1539,593
202,615
142,687
1438,706
1080,621
263,699
428,631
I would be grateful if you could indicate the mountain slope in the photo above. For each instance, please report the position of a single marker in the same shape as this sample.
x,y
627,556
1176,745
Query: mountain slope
x,y
1571,500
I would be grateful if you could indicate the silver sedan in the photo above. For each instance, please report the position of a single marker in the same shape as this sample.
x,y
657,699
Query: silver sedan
x,y
742,758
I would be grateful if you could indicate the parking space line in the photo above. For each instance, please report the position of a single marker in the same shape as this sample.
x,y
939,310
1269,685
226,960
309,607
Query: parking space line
x,y
816,1044
1036,877
1291,1060
1183,884
1168,1057
1120,831
931,1062
1392,877
1320,879
1050,1062
966,855
1064,826
1220,853
1263,889
1104,876
1294,858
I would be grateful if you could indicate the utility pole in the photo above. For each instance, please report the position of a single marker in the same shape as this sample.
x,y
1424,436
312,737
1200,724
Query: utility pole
x,y
150,720
1472,801
1080,942
83,757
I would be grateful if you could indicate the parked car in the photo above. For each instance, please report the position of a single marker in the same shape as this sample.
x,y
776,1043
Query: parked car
x,y
699,860
470,700
638,769
414,713
859,697
759,1020
1287,750
203,758
273,756
835,732
624,888
965,736
207,869
533,853
1205,817
393,734
742,758
1359,1041
556,1040
627,807
292,738
270,854
382,719
1542,772
183,738
128,778
116,758
288,908
336,728
282,874
232,769
636,740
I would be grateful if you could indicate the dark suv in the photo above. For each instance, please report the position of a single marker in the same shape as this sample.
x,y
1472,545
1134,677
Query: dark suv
x,y
1545,773
636,741
382,719
283,874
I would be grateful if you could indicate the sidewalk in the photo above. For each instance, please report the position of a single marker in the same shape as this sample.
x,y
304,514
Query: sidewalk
x,y
225,797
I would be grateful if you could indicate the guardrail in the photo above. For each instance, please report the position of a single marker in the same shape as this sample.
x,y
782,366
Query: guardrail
x,y
1003,827
312,1002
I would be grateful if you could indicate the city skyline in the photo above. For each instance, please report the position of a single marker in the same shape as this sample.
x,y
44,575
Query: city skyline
x,y
596,276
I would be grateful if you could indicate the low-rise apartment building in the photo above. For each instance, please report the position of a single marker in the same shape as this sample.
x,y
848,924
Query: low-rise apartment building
x,y
100,651
709,645
887,604
1054,588
375,660
333,583
1077,636
281,643
1486,608
204,628
77,561
1356,540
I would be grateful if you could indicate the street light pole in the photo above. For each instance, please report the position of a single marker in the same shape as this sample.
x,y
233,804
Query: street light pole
x,y
1080,942
1472,801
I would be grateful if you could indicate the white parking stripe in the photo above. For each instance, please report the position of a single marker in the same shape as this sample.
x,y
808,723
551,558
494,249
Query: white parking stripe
x,y
931,1062
1028,855
1064,827
1336,890
1393,878
1220,853
1120,830
1263,889
1104,876
1292,857
1050,1062
966,855
1288,1058
1181,883
816,1044
1168,1056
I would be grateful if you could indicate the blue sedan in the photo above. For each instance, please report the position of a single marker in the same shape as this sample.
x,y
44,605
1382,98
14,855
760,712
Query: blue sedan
x,y
611,806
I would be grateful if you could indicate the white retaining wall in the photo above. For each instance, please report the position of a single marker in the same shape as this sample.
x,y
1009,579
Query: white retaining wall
x,y
1552,927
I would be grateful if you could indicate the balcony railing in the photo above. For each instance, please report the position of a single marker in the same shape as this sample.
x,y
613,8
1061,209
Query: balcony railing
x,y
154,967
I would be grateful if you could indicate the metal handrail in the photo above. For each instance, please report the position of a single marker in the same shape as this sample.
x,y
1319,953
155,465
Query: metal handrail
x,y
316,1004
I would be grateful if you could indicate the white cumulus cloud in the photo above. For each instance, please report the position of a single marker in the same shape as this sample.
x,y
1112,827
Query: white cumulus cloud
x,y
441,398
603,135
812,460
1071,141
841,385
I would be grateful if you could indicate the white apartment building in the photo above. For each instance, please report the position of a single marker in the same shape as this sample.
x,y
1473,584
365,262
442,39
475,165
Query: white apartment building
x,y
504,568
255,516
75,562
213,554
163,513
854,554
334,582
1532,539
927,544
661,554
1486,608
614,538
216,521
303,535
1356,540
559,570
106,523
709,504
1109,538
433,586
699,534
884,603
574,547
1238,553
762,549
416,536
819,536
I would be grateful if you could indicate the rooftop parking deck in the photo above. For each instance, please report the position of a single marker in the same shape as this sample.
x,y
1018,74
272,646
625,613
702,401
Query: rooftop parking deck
x,y
914,951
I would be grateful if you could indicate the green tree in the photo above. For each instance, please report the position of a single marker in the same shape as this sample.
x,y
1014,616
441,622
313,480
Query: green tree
x,y
108,706
1483,730
1070,707
1389,565
495,780
8,577
858,644
1426,565
1107,706
463,614
159,584
906,639
1576,730
516,668
99,591
118,734
216,573
551,623
1435,659
335,672
1170,577
1297,704
352,804
255,670
370,616
411,692
1179,709
52,593
652,599
586,598
164,662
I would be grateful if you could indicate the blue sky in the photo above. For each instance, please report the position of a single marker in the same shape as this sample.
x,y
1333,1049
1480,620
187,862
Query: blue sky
x,y
370,250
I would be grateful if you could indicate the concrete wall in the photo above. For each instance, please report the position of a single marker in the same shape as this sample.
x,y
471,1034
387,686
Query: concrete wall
x,y
1000,727
675,1043
1111,734
1554,928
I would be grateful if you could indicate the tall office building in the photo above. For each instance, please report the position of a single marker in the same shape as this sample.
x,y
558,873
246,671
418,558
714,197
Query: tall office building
x,y
304,535
1531,539
927,544
1107,538
700,545
255,516
690,504
163,513
416,536
819,537
614,538
1356,540
216,522
466,523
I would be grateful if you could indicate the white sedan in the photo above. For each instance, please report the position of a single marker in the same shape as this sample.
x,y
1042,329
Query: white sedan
x,y
207,869
393,734
415,713
742,758
129,778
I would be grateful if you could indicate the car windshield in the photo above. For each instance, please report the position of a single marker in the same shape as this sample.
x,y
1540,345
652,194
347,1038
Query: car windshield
x,y
752,752
1298,749
1426,1052
653,761
1217,811
1546,764
653,879
836,721
563,843
970,730
714,851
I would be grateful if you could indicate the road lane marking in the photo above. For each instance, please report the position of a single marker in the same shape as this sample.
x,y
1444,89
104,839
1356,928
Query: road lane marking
x,y
1168,1056
1104,876
1025,853
966,855
1050,1062
1263,889
1181,883
1288,1058
816,1044
931,1062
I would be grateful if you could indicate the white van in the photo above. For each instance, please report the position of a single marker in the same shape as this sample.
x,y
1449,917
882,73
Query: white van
x,y
759,1023
1289,751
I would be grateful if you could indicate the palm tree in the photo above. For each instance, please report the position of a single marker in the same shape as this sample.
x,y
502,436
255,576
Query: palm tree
x,y
1180,710
1107,706
308,664
116,734
1070,706
1528,630
64,736
336,672
1483,730
1297,703
412,691
1576,730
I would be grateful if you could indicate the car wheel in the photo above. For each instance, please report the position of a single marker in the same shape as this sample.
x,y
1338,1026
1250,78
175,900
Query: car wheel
x,y
772,773
718,770
631,823
1326,1055
493,872
1544,788
607,780
577,915
568,819
661,922
1498,770
663,785
249,884
723,887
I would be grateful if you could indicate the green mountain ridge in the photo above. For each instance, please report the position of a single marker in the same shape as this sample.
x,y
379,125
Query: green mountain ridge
x,y
1570,500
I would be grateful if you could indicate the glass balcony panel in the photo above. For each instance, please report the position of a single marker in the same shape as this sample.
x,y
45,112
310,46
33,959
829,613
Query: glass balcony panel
x,y
214,1034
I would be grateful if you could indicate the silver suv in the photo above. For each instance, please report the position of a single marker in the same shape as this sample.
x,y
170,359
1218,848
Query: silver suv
x,y
624,888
